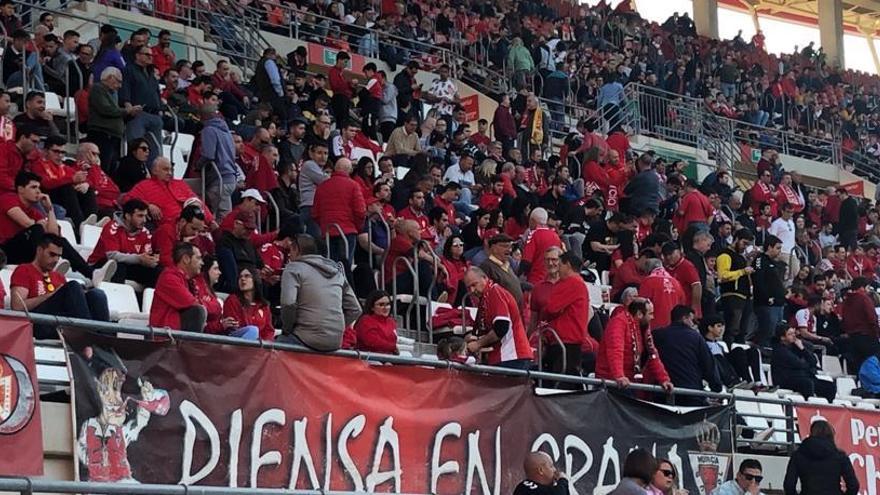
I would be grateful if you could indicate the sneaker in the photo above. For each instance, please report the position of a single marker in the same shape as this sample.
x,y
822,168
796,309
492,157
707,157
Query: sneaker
x,y
90,220
63,267
106,272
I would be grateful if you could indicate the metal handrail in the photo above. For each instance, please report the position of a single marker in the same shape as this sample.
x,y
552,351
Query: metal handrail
x,y
274,204
540,360
415,274
335,226
430,321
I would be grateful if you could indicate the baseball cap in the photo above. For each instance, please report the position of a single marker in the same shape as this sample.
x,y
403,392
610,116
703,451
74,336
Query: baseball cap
x,y
247,218
253,194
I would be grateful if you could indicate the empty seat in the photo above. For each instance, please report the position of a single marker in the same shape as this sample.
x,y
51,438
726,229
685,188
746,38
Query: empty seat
x,y
148,299
845,385
122,301
67,231
831,366
90,235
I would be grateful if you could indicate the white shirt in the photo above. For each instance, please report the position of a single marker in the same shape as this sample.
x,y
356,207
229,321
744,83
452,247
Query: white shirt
x,y
454,174
444,90
784,230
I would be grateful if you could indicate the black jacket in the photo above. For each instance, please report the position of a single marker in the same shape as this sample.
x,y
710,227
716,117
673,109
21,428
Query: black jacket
x,y
849,216
790,363
686,357
767,281
819,465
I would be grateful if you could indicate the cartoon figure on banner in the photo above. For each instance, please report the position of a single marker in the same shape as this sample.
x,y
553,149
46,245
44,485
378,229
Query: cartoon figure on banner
x,y
104,439
708,465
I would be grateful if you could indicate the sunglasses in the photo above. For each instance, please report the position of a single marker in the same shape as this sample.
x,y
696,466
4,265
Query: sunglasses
x,y
668,473
752,477
457,244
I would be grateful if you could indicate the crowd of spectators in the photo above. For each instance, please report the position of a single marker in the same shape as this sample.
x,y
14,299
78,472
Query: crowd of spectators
x,y
710,280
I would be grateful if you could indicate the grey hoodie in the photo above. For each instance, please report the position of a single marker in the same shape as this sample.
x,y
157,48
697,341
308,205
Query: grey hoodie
x,y
316,302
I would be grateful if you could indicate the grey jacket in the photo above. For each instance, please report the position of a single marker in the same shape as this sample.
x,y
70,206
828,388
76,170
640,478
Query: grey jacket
x,y
316,302
310,177
628,487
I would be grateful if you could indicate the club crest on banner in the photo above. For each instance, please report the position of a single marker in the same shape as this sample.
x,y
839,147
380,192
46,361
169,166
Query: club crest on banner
x,y
17,395
708,465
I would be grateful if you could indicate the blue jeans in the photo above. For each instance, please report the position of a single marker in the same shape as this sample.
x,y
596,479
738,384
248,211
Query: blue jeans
x,y
36,71
768,318
463,205
249,332
516,364
141,126
305,214
728,89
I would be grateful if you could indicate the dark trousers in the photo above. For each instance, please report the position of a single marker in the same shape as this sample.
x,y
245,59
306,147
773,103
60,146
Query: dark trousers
x,y
141,274
405,282
861,348
553,363
22,248
109,146
78,205
809,387
746,362
734,319
386,128
516,364
340,106
193,318
73,301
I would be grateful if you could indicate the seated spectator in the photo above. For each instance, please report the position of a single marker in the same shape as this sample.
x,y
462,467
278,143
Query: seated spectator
x,y
14,71
163,55
686,356
234,99
403,142
23,224
66,185
165,196
79,70
251,202
405,244
794,366
235,251
639,467
747,480
215,323
189,227
38,287
126,240
88,159
627,347
317,304
106,124
176,304
456,265
36,117
376,329
249,309
14,155
498,324
286,196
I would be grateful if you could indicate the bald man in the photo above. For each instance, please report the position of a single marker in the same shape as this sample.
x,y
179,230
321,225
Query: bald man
x,y
542,477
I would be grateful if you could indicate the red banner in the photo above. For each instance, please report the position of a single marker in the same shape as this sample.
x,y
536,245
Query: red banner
x,y
857,432
856,188
21,433
471,105
198,413
326,57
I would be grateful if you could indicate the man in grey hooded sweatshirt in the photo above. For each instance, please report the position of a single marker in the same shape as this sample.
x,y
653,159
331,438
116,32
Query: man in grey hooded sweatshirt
x,y
317,304
218,147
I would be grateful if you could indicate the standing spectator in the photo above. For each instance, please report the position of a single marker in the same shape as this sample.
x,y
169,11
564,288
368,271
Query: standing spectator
x,y
747,481
234,101
267,78
567,311
700,246
794,366
79,70
106,124
497,266
859,322
141,89
820,466
107,53
343,90
175,304
39,288
540,239
388,111
126,240
642,192
534,128
520,63
735,280
408,89
504,125
163,54
783,228
764,192
310,177
848,226
219,149
498,324
770,288
542,477
686,273
370,97
317,304
14,71
627,348
376,329
694,210
686,356
443,94
340,203
250,310
663,290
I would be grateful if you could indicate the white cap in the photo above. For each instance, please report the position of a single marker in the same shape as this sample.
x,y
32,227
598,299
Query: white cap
x,y
253,194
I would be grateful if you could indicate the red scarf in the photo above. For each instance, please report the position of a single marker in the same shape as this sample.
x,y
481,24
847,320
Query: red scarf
x,y
792,197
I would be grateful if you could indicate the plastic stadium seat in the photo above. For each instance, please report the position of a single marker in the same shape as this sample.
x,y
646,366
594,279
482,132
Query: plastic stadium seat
x,y
5,276
90,235
831,366
67,231
53,104
147,299
845,386
401,172
122,301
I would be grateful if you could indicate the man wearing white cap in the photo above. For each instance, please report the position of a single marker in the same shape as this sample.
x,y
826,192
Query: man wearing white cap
x,y
251,201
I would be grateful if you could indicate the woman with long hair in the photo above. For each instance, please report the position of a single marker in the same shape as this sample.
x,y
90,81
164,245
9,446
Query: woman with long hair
x,y
363,174
665,479
456,265
249,308
133,167
376,329
473,233
216,323
820,465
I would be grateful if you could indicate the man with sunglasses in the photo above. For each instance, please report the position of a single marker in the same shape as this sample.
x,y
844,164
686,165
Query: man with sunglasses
x,y
39,288
66,185
747,481
141,89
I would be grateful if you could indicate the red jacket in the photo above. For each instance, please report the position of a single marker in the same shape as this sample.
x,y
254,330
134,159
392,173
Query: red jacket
x,y
538,242
859,317
616,357
212,305
168,196
11,162
763,193
567,310
254,314
339,200
694,207
54,175
106,190
376,334
161,61
173,294
227,86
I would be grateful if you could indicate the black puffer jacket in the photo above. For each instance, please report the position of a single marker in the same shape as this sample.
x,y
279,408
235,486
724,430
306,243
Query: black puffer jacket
x,y
819,465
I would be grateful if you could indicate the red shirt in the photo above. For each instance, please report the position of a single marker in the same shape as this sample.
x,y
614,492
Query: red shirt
x,y
116,237
407,213
11,162
626,275
401,245
167,236
539,241
498,304
54,175
168,196
439,202
540,295
694,207
212,305
763,193
106,190
665,293
490,201
686,274
174,293
31,278
256,314
567,309
8,226
338,84
376,334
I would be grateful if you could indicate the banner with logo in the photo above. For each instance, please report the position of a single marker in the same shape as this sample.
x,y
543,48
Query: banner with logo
x,y
857,432
326,57
471,105
21,435
198,413
856,188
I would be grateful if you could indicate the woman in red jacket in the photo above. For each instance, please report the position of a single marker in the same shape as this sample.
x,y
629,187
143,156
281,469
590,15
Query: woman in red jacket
x,y
248,307
215,323
455,263
363,174
376,330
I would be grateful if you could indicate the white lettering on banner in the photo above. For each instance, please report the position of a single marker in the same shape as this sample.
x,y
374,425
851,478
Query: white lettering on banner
x,y
234,443
609,456
475,462
191,412
550,441
576,443
389,437
859,432
272,457
871,474
448,467
351,430
328,456
301,453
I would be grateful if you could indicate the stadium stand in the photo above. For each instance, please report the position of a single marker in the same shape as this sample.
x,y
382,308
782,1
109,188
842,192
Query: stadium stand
x,y
355,193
